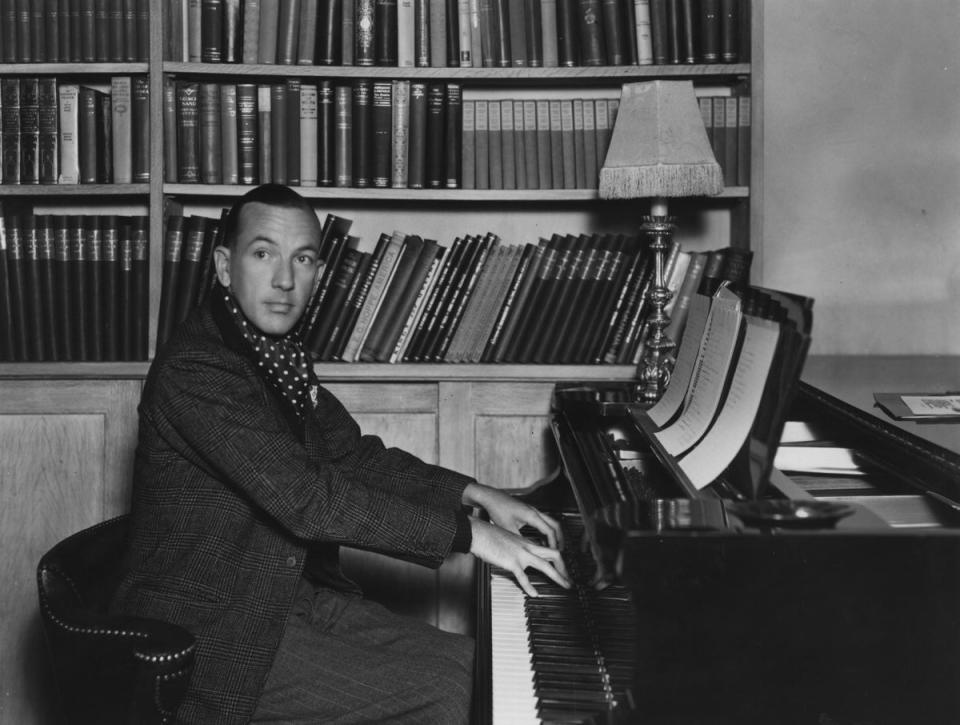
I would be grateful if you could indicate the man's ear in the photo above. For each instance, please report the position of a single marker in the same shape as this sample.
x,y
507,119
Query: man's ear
x,y
221,261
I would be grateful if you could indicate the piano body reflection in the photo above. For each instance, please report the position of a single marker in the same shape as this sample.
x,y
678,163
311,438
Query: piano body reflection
x,y
833,598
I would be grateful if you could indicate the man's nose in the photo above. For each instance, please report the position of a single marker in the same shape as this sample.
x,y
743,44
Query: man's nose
x,y
283,276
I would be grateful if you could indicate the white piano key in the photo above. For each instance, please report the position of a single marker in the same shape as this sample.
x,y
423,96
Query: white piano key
x,y
513,697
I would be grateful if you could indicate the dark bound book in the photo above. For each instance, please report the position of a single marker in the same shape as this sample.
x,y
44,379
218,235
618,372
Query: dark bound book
x,y
89,134
32,290
346,309
52,333
279,134
453,133
614,32
568,35
16,283
358,299
531,309
141,292
126,303
428,318
343,135
362,138
593,50
292,130
194,237
436,128
93,272
110,337
10,129
326,134
340,285
566,306
418,138
329,49
385,34
63,277
209,132
659,34
463,294
247,133
730,30
382,133
188,146
365,48
546,310
172,251
288,32
402,305
333,233
140,129
211,31
30,130
521,274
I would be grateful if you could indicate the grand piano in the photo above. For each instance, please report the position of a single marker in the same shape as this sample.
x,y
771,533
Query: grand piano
x,y
828,596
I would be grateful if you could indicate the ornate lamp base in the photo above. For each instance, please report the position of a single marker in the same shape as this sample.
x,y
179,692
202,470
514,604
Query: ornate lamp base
x,y
653,371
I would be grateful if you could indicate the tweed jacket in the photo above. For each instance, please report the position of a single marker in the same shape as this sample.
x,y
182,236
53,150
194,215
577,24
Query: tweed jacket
x,y
235,499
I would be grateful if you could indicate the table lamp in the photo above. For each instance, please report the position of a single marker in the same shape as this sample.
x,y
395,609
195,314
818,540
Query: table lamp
x,y
658,149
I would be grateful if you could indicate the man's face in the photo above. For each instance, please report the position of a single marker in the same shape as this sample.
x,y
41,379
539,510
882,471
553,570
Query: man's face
x,y
271,268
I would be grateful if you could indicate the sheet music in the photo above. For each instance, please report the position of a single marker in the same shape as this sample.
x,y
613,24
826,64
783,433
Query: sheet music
x,y
817,459
687,355
710,374
718,447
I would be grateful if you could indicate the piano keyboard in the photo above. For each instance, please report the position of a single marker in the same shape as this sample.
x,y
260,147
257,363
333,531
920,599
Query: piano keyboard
x,y
564,656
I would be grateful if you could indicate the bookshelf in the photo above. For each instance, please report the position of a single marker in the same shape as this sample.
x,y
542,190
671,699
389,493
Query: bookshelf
x,y
489,420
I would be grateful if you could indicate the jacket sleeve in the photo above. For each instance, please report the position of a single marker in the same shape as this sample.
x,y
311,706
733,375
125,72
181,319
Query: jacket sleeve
x,y
219,416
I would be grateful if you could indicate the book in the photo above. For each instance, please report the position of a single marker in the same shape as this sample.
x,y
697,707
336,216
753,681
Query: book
x,y
419,302
93,318
643,31
730,132
103,125
436,130
188,116
504,338
519,146
331,33
110,287
292,130
345,145
229,139
555,293
288,21
210,154
48,137
381,133
566,306
581,301
400,135
362,265
468,145
544,145
211,31
730,24
278,140
172,251
326,132
507,146
63,282
307,26
680,304
363,141
10,129
195,231
432,305
358,299
250,45
591,26
69,120
333,237
452,136
37,346
465,56
417,136
579,144
439,26
547,27
407,34
495,144
475,306
140,129
247,124
374,296
743,140
365,48
341,282
410,268
267,38
309,135
16,285
385,35
481,144
30,130
88,136
586,338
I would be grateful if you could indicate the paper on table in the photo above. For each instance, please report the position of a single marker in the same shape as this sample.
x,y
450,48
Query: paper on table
x,y
717,448
687,354
936,405
710,374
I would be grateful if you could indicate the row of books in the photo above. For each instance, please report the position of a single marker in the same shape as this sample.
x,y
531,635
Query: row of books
x,y
73,287
459,33
568,299
74,31
728,125
54,132
365,134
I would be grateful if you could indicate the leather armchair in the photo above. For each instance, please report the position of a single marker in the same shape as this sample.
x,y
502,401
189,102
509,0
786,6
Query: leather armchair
x,y
108,669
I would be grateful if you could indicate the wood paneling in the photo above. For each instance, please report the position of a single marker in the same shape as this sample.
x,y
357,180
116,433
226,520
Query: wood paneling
x,y
65,465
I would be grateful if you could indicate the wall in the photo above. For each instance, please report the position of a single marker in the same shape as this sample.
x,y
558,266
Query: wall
x,y
862,170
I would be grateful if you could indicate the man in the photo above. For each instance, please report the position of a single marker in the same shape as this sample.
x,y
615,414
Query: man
x,y
248,477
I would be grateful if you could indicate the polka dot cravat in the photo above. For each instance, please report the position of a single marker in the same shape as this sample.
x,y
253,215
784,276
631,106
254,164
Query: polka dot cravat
x,y
281,361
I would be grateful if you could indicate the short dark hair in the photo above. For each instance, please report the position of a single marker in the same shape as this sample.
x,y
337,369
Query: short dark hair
x,y
271,194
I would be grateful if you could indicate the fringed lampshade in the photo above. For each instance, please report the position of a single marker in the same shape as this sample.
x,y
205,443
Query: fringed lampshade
x,y
659,149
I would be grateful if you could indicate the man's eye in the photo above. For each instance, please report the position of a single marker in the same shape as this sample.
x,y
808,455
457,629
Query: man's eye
x,y
307,259
260,253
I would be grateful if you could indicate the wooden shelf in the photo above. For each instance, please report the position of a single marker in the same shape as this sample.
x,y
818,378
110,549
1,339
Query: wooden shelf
x,y
379,372
498,76
67,190
453,195
74,69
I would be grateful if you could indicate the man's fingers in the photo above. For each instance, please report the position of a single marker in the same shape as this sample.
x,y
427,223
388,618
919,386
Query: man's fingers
x,y
521,576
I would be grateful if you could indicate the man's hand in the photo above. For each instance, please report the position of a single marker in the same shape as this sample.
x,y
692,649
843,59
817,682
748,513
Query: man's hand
x,y
510,513
516,554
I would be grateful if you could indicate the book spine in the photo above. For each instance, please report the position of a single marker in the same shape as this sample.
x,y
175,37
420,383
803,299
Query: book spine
x,y
615,31
421,38
278,133
127,304
250,51
744,126
644,31
428,317
568,40
385,35
93,323
406,333
309,135
211,31
63,279
593,49
465,58
307,26
348,33
247,153
591,162
269,29
32,299
468,146
292,130
362,144
141,250
417,159
171,146
381,122
336,334
494,145
87,138
345,144
10,129
436,127
30,130
17,287
407,34
365,48
264,134
229,145
371,304
326,136
49,141
121,90
188,161
516,20
103,126
507,144
210,156
109,285
400,122
288,19
452,134
439,27
579,160
140,129
544,145
331,33
172,250
48,287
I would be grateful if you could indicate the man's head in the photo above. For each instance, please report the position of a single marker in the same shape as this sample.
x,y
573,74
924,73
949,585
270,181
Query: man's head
x,y
269,256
